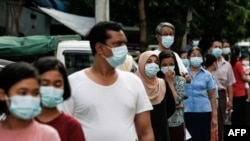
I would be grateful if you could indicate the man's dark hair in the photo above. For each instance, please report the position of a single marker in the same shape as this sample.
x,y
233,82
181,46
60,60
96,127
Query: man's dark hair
x,y
98,33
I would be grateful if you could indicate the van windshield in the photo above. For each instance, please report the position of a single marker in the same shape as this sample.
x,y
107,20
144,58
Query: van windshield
x,y
76,60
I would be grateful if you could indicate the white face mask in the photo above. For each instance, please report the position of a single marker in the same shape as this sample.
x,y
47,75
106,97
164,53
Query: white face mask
x,y
196,43
226,50
118,57
167,41
166,69
245,62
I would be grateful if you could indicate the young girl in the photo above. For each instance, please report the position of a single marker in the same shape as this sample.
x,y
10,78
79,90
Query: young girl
x,y
54,90
168,63
246,68
19,93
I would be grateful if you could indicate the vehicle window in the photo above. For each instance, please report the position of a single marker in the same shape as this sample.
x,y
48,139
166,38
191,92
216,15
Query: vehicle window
x,y
76,61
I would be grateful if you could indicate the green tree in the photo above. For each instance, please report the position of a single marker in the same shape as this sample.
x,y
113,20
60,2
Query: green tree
x,y
213,19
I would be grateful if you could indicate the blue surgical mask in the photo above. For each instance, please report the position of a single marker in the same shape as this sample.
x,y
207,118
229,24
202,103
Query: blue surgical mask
x,y
185,62
196,61
51,96
151,69
167,41
217,52
196,43
118,57
165,69
226,50
25,107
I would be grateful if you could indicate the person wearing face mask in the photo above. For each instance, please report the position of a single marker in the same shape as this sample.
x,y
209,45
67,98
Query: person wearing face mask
x,y
165,32
225,79
239,88
200,112
184,57
226,49
54,90
210,64
111,104
193,40
20,102
176,121
159,93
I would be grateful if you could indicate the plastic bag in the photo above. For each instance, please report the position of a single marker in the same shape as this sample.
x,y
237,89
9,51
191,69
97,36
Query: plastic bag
x,y
228,117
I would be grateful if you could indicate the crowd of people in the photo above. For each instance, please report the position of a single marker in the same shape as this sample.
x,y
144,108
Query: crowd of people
x,y
171,96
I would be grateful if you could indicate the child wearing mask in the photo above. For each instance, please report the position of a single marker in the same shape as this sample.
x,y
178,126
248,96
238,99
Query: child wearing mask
x,y
184,57
167,63
20,101
246,68
54,90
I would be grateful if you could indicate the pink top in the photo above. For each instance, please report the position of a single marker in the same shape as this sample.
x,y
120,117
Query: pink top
x,y
34,132
224,75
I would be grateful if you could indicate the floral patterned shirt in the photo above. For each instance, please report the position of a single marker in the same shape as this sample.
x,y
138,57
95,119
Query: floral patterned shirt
x,y
178,117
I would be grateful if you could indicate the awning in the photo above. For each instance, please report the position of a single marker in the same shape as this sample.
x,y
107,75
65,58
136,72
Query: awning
x,y
79,24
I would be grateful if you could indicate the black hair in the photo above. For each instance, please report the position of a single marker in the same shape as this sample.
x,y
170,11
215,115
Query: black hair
x,y
192,35
98,33
225,41
209,59
168,54
235,52
180,52
195,48
48,63
243,56
12,74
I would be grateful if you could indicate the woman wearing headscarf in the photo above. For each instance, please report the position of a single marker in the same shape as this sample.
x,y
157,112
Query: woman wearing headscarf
x,y
159,92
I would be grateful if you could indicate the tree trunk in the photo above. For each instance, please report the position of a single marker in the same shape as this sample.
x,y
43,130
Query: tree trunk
x,y
143,23
189,19
101,10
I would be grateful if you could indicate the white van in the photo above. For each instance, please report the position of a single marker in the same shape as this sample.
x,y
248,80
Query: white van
x,y
244,46
75,54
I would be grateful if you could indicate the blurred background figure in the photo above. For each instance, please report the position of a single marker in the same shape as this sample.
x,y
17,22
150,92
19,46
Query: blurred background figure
x,y
20,101
239,87
226,52
129,64
225,79
184,57
193,40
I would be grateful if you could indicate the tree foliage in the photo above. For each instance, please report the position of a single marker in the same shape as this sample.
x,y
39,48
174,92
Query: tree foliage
x,y
213,19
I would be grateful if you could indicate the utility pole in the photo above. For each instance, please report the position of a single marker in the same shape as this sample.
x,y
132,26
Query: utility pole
x,y
101,10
